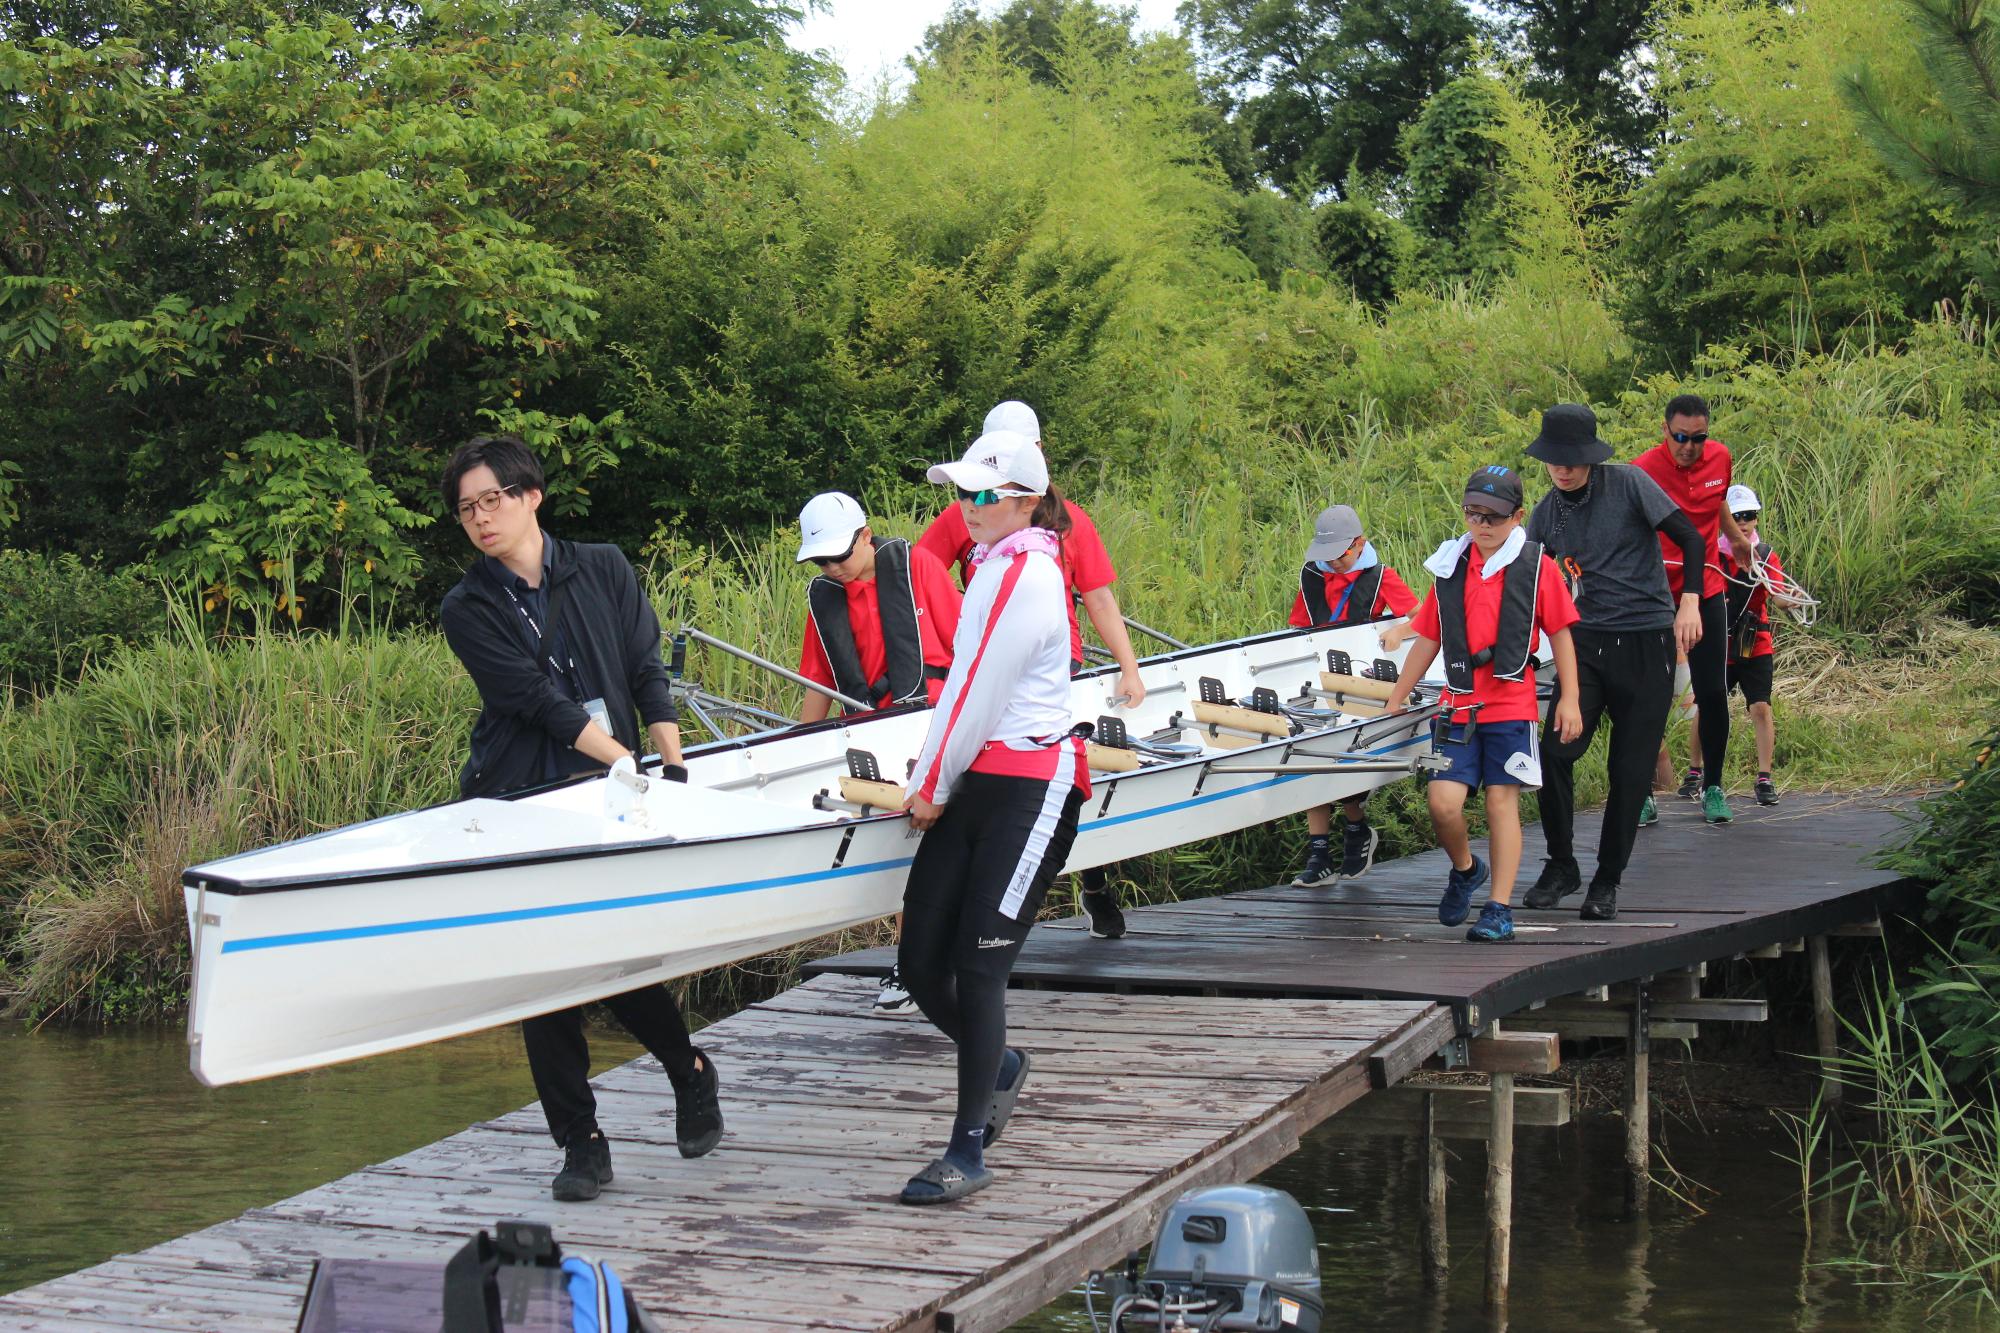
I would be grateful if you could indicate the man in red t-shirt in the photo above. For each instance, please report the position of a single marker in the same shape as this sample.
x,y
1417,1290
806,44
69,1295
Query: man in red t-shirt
x,y
1751,649
1340,567
1088,576
1485,612
1695,470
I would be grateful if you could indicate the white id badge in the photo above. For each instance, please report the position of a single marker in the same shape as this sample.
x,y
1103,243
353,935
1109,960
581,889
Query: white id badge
x,y
599,714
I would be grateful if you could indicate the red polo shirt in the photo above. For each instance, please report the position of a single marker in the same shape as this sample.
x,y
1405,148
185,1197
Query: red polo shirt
x,y
1699,491
1086,565
937,621
1393,598
1505,700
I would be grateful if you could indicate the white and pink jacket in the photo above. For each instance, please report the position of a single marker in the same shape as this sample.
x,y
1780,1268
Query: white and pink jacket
x,y
1005,707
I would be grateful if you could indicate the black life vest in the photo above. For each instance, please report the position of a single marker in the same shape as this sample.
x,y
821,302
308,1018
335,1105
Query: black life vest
x,y
1740,591
904,674
1510,653
1361,595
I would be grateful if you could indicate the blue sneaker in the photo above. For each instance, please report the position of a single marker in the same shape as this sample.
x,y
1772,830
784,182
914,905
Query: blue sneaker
x,y
1495,924
1456,904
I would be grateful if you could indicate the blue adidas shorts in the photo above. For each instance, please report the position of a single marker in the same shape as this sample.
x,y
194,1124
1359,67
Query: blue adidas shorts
x,y
1499,754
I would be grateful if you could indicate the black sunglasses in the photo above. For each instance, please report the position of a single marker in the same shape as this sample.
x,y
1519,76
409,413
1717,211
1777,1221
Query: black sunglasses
x,y
824,560
1486,518
1747,517
1688,436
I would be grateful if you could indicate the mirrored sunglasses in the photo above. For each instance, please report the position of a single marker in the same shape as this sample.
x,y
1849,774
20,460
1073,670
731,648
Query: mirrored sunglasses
x,y
1688,437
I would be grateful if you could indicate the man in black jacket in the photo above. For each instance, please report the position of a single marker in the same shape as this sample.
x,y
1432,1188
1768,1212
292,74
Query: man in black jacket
x,y
565,650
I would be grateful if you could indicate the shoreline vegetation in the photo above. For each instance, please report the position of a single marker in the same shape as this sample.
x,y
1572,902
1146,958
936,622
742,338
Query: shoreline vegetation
x,y
260,280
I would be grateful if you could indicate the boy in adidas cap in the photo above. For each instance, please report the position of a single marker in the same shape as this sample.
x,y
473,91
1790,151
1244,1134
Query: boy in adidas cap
x,y
1495,594
1344,582
1751,650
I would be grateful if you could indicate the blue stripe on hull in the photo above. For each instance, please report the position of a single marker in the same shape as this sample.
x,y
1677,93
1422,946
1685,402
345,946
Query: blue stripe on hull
x,y
717,890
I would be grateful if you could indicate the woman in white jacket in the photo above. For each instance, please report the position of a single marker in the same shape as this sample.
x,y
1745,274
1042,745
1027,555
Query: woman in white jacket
x,y
996,791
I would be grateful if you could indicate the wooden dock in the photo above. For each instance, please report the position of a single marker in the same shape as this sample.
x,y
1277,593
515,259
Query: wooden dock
x,y
1693,893
793,1221
1194,1051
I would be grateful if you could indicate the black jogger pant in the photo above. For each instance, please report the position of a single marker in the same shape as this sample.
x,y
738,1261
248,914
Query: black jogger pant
x,y
1708,677
559,1054
1628,675
976,885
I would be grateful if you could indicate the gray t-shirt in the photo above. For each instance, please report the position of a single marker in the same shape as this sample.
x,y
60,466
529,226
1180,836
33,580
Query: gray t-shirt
x,y
1610,529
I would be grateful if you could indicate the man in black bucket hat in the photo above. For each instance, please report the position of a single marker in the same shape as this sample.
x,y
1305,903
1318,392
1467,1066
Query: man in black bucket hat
x,y
1600,524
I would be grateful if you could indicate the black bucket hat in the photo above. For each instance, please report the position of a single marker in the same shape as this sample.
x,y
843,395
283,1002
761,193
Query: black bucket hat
x,y
1569,437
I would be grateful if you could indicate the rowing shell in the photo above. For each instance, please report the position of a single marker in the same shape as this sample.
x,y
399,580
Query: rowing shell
x,y
429,924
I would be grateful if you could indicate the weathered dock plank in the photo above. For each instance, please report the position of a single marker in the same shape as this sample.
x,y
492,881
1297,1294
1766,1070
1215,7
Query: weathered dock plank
x,y
1693,892
793,1221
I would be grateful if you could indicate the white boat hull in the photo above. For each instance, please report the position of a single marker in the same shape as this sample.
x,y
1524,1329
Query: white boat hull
x,y
431,924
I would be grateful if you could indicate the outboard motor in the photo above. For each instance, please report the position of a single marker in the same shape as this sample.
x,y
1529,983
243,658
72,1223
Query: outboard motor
x,y
1228,1259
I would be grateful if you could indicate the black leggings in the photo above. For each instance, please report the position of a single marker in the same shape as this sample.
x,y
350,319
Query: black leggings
x,y
975,887
1708,676
1628,675
559,1053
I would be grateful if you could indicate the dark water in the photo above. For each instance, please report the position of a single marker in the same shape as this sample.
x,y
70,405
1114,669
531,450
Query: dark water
x,y
1745,1263
107,1145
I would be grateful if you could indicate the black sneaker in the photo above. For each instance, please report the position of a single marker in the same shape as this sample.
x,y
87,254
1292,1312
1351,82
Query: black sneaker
x,y
1319,867
586,1168
1558,880
1690,789
1601,903
1357,850
1106,921
698,1110
1767,791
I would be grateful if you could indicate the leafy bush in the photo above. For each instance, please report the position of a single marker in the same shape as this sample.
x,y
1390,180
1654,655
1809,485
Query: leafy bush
x,y
57,613
1956,847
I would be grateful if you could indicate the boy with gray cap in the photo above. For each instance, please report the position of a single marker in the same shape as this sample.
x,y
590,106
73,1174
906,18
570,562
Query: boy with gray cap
x,y
1344,582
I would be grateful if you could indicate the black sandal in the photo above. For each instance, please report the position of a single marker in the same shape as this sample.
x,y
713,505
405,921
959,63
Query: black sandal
x,y
941,1182
1003,1102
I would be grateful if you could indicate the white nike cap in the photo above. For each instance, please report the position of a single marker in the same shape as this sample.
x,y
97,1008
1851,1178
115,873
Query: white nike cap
x,y
997,458
1016,416
828,525
1742,500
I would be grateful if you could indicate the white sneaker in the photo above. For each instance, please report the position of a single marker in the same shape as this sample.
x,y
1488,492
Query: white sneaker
x,y
893,999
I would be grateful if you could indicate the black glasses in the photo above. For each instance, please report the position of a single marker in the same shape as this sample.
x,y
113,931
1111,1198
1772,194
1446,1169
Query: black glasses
x,y
485,502
1486,518
1748,517
824,560
1688,436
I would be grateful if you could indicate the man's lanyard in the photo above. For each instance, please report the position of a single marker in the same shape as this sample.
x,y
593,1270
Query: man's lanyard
x,y
543,642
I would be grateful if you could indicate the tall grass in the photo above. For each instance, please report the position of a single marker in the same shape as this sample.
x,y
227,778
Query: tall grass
x,y
1921,1188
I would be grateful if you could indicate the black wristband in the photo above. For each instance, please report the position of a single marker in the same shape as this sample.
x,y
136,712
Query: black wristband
x,y
673,772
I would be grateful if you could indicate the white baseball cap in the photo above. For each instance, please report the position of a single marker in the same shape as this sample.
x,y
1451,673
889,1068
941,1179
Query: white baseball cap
x,y
1016,416
997,458
1742,500
828,525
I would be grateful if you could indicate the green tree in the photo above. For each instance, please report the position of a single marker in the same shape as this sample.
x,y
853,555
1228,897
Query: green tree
x,y
1363,247
1327,85
1276,233
1452,179
1950,141
1587,59
1031,33
1767,215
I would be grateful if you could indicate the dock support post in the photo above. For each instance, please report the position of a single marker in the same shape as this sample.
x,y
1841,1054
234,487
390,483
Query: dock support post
x,y
1499,1187
1436,1243
1822,1000
1638,1100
